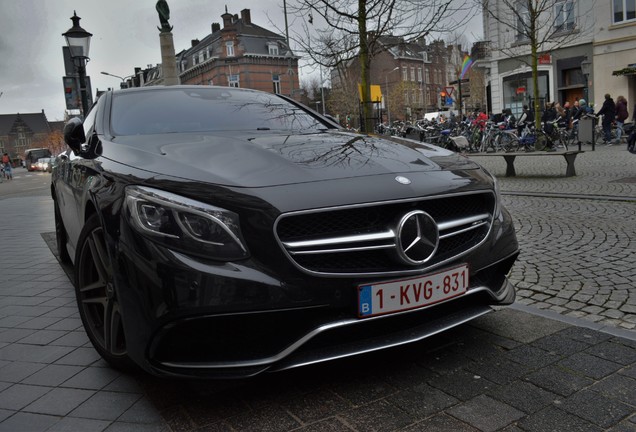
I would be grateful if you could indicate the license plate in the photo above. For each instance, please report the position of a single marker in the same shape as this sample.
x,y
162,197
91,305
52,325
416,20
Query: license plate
x,y
404,294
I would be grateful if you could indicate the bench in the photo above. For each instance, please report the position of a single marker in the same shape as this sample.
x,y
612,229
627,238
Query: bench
x,y
570,157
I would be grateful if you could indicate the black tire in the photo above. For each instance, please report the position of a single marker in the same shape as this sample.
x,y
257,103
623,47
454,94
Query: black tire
x,y
508,142
566,139
61,237
96,297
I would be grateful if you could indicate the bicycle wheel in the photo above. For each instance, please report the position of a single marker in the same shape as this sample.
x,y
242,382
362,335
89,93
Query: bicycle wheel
x,y
542,142
508,142
566,138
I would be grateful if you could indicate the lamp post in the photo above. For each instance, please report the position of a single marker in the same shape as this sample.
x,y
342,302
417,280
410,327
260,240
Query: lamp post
x,y
124,83
78,41
386,87
586,66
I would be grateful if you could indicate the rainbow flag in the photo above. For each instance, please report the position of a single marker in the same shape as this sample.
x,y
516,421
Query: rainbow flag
x,y
466,66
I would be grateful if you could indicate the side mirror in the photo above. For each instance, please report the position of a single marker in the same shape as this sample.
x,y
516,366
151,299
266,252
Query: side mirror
x,y
74,134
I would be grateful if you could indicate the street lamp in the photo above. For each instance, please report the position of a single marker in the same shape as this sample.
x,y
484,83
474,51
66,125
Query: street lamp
x,y
124,83
78,41
586,68
386,86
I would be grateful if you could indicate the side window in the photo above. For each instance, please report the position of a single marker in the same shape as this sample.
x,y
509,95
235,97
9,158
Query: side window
x,y
229,49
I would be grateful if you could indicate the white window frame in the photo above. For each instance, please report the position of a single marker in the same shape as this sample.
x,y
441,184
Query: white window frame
x,y
272,49
276,83
564,16
624,4
229,49
234,80
412,73
405,73
419,74
523,21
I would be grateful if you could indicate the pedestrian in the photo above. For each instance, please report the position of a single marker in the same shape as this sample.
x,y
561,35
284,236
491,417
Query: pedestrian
x,y
575,112
509,118
526,119
621,116
568,115
6,161
548,117
561,115
608,111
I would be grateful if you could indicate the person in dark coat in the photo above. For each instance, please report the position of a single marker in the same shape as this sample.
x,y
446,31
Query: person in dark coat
x,y
548,117
621,115
608,111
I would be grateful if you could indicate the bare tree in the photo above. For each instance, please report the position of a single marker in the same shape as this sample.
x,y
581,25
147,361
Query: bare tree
x,y
54,141
346,29
538,26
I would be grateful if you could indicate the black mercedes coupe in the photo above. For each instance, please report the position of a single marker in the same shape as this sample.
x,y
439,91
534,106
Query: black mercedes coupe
x,y
223,232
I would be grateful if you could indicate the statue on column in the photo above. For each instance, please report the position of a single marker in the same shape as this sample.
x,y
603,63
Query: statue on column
x,y
164,16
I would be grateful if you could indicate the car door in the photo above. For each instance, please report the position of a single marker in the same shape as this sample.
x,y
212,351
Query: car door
x,y
70,183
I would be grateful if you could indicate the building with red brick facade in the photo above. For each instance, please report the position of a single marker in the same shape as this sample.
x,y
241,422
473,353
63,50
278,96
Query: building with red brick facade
x,y
21,131
241,54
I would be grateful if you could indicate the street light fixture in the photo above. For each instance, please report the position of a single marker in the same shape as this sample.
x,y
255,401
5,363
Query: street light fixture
x,y
386,86
124,83
78,41
586,69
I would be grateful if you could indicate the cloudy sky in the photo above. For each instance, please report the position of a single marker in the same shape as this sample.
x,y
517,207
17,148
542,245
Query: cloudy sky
x,y
125,36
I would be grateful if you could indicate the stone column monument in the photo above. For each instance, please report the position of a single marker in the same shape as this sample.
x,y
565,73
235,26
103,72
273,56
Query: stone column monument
x,y
168,58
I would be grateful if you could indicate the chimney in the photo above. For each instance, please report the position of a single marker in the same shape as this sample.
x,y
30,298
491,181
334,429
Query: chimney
x,y
227,19
216,27
194,42
246,17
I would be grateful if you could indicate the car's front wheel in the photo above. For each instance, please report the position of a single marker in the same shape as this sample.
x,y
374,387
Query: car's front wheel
x,y
96,297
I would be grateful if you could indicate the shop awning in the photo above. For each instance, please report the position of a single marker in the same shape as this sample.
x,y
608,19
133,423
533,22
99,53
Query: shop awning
x,y
573,86
629,70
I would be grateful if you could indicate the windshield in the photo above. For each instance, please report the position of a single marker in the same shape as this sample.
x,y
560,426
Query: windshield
x,y
208,109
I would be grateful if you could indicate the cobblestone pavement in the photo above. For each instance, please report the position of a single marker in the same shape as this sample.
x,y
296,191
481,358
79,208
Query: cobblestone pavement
x,y
577,234
517,369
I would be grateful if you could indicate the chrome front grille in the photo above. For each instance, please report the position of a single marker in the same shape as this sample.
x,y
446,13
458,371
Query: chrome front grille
x,y
361,239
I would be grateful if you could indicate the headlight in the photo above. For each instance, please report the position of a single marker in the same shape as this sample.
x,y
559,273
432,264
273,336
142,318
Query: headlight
x,y
186,225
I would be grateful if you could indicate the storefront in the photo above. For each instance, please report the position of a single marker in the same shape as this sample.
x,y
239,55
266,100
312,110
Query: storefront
x,y
518,90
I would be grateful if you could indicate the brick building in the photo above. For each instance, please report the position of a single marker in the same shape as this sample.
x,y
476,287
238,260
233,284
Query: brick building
x,y
19,132
241,54
411,75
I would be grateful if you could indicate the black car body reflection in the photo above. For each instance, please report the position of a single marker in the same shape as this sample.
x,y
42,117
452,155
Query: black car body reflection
x,y
226,232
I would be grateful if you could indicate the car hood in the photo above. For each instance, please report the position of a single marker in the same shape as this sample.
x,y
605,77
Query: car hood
x,y
267,158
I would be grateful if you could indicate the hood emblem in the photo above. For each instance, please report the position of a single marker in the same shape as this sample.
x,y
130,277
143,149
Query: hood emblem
x,y
403,180
417,237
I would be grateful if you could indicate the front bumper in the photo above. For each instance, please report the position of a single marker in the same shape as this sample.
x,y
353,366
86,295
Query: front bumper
x,y
197,320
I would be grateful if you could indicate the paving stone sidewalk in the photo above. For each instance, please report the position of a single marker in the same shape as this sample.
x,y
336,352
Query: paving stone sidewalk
x,y
518,369
577,234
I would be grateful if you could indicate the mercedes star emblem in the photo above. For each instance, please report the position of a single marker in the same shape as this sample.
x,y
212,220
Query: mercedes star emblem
x,y
417,237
